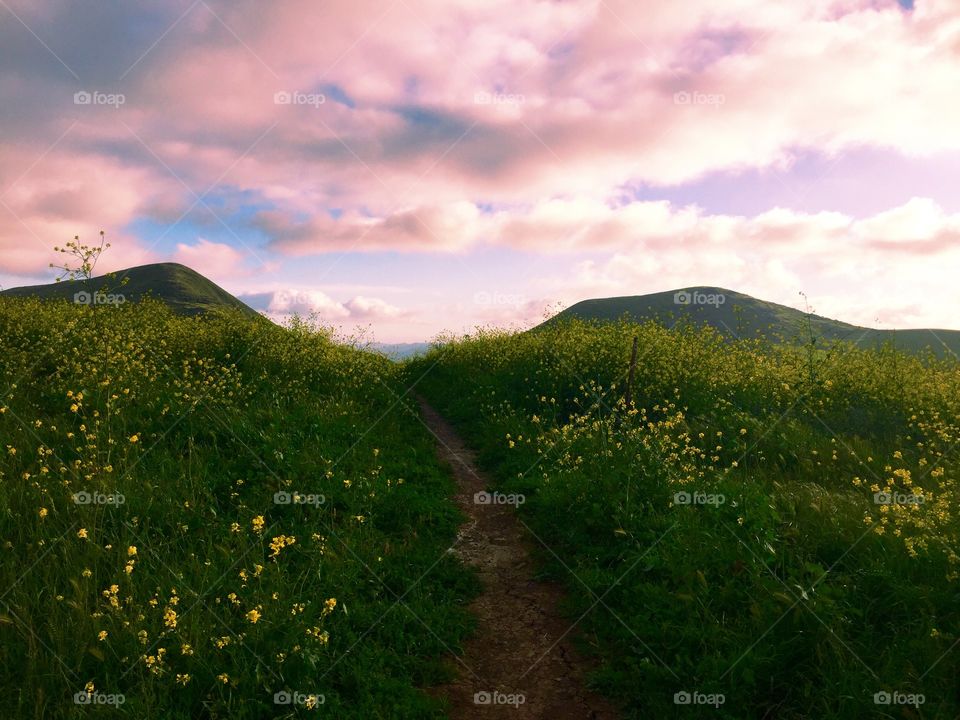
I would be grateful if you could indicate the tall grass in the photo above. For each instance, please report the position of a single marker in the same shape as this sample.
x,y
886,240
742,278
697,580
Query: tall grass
x,y
282,529
730,532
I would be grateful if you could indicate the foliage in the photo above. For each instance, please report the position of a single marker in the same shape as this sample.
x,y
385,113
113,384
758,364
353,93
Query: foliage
x,y
84,256
746,527
204,592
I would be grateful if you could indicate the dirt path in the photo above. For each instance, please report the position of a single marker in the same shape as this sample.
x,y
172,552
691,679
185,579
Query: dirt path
x,y
521,647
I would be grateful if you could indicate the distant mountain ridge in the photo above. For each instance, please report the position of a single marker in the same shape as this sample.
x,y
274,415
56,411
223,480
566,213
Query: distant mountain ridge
x,y
736,314
186,291
401,351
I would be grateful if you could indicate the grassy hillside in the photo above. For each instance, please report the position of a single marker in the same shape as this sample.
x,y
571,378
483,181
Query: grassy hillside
x,y
738,315
772,526
201,512
186,291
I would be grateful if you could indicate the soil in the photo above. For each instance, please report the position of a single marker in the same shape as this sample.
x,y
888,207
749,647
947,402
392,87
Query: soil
x,y
522,648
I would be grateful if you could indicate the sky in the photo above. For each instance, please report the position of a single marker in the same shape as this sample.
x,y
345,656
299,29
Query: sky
x,y
410,167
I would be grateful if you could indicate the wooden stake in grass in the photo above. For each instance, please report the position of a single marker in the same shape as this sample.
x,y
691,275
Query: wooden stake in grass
x,y
633,368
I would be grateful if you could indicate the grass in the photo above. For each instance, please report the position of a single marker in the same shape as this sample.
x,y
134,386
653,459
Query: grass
x,y
795,594
724,538
203,594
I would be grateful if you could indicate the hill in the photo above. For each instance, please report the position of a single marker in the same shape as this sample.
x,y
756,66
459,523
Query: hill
x,y
186,291
739,315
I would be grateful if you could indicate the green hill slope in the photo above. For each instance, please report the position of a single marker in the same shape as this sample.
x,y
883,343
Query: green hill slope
x,y
186,291
738,315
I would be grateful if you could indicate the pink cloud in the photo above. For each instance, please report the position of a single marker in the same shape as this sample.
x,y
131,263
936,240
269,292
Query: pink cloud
x,y
218,260
590,118
47,199
451,125
207,254
305,302
421,229
362,307
920,227
281,304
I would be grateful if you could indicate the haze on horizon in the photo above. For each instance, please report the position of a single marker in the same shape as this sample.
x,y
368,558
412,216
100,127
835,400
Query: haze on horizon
x,y
335,160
